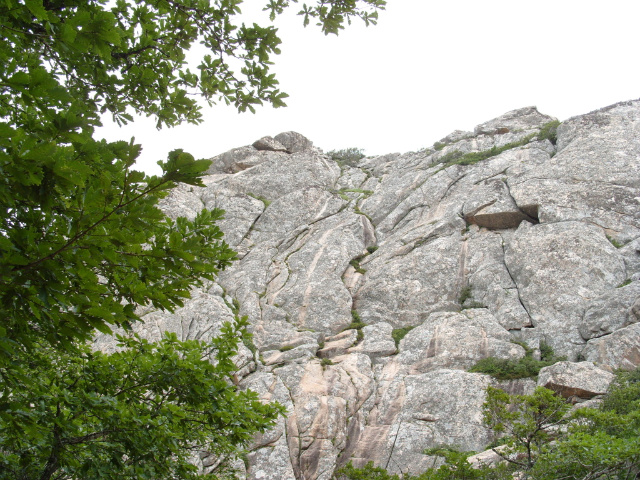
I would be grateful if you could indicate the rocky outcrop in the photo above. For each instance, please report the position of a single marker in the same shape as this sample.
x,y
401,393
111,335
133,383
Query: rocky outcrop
x,y
577,381
501,235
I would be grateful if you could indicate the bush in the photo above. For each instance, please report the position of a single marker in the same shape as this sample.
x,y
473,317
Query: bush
x,y
623,395
549,132
326,361
525,367
347,156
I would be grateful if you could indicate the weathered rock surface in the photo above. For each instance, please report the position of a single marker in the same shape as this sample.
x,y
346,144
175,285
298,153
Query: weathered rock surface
x,y
583,379
539,243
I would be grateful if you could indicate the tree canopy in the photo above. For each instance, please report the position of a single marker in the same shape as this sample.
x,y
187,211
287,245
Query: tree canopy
x,y
81,237
83,243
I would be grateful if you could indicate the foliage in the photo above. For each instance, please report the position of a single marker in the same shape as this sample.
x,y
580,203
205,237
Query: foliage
x,y
527,421
355,263
326,362
601,443
399,333
465,294
549,132
347,156
456,467
623,395
68,199
140,412
368,472
83,243
524,367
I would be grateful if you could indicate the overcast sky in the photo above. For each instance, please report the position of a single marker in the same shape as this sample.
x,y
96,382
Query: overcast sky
x,y
426,69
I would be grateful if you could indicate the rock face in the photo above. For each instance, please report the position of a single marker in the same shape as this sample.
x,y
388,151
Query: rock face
x,y
538,243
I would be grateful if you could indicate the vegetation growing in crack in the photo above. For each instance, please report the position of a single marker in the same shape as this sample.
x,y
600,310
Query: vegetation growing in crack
x,y
356,324
465,299
614,242
356,209
457,157
366,193
355,263
399,333
625,283
524,367
342,193
325,362
286,348
549,131
261,198
465,294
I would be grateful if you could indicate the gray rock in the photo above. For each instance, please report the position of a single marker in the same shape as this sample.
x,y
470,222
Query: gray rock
x,y
527,118
294,142
338,344
616,309
583,380
238,159
456,340
456,136
377,341
281,174
559,268
538,239
621,349
269,144
490,205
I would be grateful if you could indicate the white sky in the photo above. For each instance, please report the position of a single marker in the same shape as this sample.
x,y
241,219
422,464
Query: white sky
x,y
429,67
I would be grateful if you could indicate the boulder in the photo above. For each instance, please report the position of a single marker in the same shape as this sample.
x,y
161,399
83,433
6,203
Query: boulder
x,y
293,142
620,349
269,144
583,380
616,309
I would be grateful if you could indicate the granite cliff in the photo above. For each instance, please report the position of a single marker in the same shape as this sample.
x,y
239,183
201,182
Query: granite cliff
x,y
507,233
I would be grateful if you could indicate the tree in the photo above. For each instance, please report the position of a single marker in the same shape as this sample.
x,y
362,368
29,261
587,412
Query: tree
x,y
527,422
83,242
81,237
544,442
142,412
